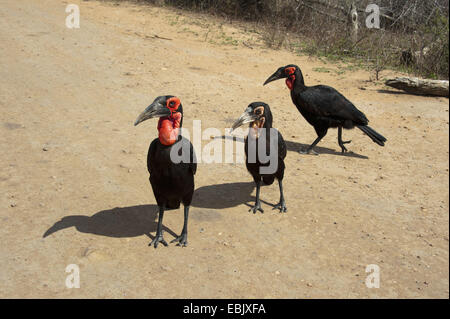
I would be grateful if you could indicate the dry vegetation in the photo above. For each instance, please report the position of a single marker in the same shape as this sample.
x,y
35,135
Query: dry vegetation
x,y
413,36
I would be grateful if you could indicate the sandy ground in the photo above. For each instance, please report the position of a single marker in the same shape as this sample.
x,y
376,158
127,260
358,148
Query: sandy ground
x,y
73,163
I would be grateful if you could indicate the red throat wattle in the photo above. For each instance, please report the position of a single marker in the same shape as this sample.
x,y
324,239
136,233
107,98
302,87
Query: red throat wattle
x,y
290,82
168,128
290,72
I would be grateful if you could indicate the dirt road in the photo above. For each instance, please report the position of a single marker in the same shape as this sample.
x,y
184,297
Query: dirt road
x,y
74,166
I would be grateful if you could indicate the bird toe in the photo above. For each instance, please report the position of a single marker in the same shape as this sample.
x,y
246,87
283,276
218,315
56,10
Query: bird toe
x,y
256,209
281,207
303,151
309,152
181,241
158,239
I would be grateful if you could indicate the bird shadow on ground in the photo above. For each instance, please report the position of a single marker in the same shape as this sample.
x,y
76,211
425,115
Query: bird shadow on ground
x,y
141,220
296,147
117,223
393,92
223,196
406,93
251,204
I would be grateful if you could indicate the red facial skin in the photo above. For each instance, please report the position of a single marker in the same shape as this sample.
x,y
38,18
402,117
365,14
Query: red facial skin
x,y
291,77
169,127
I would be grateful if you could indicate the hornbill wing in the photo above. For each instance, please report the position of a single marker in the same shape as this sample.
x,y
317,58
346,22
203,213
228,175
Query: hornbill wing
x,y
246,146
153,150
193,159
192,164
282,148
151,155
325,101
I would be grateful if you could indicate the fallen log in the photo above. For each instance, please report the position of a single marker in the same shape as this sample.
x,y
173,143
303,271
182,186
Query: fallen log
x,y
420,86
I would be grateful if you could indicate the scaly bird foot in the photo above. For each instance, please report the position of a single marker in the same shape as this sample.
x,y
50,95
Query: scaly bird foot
x,y
158,239
256,208
342,145
344,149
308,152
181,241
281,206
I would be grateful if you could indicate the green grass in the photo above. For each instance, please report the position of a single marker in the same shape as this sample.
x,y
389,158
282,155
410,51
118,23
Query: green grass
x,y
322,70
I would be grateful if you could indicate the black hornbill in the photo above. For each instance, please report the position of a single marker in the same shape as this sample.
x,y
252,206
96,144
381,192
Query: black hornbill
x,y
324,107
259,116
172,182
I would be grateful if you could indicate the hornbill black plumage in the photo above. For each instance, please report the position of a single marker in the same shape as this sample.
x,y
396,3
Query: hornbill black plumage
x,y
172,180
259,116
324,107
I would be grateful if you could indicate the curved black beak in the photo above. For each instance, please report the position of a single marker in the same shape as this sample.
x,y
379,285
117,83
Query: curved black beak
x,y
278,75
156,109
246,117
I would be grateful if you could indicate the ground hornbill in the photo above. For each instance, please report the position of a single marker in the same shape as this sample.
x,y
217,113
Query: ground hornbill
x,y
260,118
172,181
324,107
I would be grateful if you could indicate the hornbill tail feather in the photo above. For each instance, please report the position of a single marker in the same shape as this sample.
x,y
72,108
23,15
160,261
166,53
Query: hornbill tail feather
x,y
374,135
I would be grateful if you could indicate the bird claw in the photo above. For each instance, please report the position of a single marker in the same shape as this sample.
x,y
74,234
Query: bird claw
x,y
182,240
256,208
281,206
158,239
342,145
308,152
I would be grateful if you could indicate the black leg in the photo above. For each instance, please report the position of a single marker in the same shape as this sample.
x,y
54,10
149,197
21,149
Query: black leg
x,y
310,150
257,206
282,204
321,133
159,234
182,240
341,142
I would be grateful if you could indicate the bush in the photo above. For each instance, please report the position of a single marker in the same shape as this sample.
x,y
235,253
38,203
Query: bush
x,y
414,33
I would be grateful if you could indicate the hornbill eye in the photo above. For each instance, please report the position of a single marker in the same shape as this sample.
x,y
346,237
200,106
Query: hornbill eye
x,y
259,111
289,71
173,104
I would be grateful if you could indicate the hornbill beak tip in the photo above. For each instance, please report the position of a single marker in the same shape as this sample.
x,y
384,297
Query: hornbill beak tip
x,y
279,74
246,117
141,118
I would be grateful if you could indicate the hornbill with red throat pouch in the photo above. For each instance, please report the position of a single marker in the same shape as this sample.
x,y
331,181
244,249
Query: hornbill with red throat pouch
x,y
324,107
172,183
259,116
